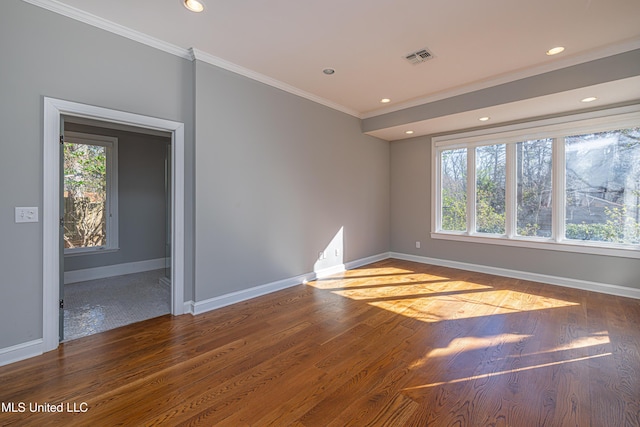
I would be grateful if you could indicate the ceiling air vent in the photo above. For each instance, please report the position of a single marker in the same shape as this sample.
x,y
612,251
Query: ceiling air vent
x,y
419,56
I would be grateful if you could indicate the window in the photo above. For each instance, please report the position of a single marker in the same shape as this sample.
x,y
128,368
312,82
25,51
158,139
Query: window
x,y
570,183
491,188
533,183
603,186
90,193
454,190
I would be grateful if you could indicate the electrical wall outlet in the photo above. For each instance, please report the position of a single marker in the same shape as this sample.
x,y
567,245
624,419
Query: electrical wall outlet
x,y
418,245
27,214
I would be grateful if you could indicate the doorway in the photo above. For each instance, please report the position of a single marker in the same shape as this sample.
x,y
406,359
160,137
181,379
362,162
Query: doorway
x,y
54,109
116,226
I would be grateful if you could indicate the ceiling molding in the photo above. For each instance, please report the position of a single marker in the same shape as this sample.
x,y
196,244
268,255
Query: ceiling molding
x,y
230,66
190,54
510,77
193,54
112,27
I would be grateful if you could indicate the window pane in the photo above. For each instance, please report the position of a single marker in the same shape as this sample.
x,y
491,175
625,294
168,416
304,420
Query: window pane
x,y
533,172
490,188
454,190
85,192
603,186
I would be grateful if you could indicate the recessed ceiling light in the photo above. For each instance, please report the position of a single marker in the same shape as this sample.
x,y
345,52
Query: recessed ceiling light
x,y
408,132
329,71
194,5
385,100
589,99
555,50
484,119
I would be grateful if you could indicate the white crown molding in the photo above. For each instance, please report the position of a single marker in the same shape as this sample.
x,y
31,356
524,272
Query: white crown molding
x,y
190,54
193,54
511,77
196,54
98,22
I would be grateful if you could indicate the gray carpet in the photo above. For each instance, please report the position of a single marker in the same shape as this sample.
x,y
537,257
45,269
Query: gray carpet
x,y
103,304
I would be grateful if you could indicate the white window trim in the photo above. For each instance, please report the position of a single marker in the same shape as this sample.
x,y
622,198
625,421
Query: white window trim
x,y
556,128
111,143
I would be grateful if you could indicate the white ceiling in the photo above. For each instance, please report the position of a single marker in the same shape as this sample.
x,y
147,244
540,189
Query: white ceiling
x,y
474,43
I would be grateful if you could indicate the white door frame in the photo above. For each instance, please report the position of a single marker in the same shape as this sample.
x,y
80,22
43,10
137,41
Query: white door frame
x,y
53,109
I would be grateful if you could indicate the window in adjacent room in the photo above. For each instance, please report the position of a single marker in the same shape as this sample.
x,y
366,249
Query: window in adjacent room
x,y
90,193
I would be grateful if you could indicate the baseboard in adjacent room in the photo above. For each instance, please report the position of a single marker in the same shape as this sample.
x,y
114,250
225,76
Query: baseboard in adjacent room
x,y
113,270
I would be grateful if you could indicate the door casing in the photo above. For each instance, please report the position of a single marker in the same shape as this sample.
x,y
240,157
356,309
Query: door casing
x,y
53,110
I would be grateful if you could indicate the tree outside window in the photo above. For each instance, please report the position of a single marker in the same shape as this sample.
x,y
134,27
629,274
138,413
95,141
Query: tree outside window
x,y
90,196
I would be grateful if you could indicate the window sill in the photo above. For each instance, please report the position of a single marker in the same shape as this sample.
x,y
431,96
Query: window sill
x,y
89,251
541,243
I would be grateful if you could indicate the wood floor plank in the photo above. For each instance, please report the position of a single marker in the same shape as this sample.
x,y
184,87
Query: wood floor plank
x,y
394,343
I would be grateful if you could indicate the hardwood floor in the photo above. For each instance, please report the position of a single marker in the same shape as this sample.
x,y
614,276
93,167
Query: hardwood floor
x,y
390,344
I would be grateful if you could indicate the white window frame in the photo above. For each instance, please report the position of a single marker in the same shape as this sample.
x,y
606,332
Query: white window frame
x,y
556,129
111,145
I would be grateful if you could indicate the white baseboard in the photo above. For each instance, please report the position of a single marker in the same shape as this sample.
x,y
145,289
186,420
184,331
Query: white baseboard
x,y
603,288
200,307
188,307
34,348
326,272
22,351
368,260
113,270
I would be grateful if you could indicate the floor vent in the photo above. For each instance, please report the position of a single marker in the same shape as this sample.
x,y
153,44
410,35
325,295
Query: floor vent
x,y
419,57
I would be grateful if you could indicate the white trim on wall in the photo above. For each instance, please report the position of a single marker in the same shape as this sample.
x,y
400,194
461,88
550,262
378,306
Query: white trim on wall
x,y
603,288
112,27
36,347
85,274
200,307
53,110
230,66
191,54
15,353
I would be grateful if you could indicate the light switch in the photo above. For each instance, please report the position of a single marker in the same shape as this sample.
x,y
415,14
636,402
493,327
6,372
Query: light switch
x,y
27,214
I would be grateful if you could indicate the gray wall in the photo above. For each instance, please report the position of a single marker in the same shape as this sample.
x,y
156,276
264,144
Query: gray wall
x,y
141,199
411,222
44,54
277,177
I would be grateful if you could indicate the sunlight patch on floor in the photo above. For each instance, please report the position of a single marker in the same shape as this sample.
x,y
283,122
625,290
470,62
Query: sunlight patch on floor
x,y
474,343
401,290
510,371
356,279
462,305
